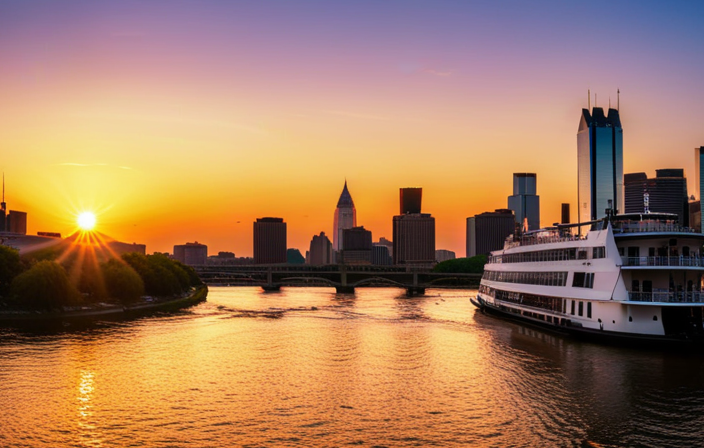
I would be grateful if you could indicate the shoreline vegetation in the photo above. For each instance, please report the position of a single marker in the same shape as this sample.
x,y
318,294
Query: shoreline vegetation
x,y
84,279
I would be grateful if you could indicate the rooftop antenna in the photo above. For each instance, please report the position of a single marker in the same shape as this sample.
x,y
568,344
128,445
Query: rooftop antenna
x,y
609,101
589,99
618,100
595,100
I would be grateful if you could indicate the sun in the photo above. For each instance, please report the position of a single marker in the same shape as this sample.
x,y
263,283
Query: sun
x,y
86,220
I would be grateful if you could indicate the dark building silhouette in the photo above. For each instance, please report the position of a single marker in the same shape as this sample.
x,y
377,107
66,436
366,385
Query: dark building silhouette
x,y
345,217
599,164
666,193
488,231
524,202
320,252
381,256
294,256
269,241
698,190
444,255
565,217
357,246
413,231
191,254
410,200
695,215
16,222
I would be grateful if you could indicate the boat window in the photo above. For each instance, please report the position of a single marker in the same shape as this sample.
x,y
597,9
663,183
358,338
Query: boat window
x,y
573,254
599,252
581,308
685,251
589,310
578,279
573,307
620,251
582,254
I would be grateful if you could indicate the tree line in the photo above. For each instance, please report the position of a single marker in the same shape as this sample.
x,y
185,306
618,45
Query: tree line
x,y
83,278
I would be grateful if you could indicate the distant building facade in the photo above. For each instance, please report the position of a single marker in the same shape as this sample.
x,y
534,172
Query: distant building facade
x,y
413,231
698,191
381,255
599,164
665,193
320,252
16,222
525,202
410,199
488,231
345,217
565,214
356,246
444,255
269,241
191,254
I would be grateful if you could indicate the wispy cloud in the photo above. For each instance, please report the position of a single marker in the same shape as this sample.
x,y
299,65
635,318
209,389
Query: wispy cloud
x,y
343,113
94,164
444,74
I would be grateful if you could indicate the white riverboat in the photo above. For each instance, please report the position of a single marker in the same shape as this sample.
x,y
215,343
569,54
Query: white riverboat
x,y
635,278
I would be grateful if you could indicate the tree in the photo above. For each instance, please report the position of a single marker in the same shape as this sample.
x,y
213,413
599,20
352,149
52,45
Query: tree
x,y
121,281
10,267
45,285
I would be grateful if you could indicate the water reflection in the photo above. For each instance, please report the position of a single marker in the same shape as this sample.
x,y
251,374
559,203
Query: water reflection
x,y
373,368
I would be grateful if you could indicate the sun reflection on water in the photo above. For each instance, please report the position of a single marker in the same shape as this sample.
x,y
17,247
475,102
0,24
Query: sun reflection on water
x,y
85,422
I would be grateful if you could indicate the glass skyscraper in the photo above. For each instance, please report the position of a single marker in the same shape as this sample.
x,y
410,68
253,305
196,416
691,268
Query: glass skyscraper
x,y
599,164
524,202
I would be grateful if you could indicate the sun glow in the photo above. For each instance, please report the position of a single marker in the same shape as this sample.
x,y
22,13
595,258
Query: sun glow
x,y
86,221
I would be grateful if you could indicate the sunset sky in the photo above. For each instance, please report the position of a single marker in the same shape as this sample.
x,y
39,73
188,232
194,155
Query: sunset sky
x,y
180,121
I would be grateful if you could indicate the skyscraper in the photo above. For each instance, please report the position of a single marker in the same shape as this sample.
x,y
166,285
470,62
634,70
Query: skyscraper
x,y
488,231
410,200
666,193
269,241
345,217
599,164
699,182
357,246
320,250
565,216
524,202
413,233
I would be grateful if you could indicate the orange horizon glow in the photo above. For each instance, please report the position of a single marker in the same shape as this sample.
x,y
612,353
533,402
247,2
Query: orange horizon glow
x,y
175,123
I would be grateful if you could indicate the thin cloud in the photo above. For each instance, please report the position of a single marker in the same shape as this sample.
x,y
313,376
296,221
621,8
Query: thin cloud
x,y
343,113
93,164
438,73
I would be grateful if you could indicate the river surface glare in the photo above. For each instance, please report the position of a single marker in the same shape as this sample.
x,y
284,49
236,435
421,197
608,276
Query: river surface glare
x,y
308,367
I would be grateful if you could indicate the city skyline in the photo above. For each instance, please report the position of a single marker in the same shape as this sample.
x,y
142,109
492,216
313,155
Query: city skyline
x,y
178,123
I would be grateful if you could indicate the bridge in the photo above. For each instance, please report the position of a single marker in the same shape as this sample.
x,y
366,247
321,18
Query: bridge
x,y
343,278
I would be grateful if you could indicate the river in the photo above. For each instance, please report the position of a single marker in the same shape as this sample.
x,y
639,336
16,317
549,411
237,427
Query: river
x,y
308,367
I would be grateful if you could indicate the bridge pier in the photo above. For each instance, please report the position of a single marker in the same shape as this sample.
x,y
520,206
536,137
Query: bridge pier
x,y
415,291
344,289
272,287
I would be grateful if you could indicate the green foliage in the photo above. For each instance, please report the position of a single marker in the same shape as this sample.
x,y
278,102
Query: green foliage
x,y
121,281
10,267
161,275
45,285
293,256
193,278
472,265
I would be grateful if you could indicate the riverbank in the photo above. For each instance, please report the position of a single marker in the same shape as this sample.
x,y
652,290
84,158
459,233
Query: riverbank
x,y
103,311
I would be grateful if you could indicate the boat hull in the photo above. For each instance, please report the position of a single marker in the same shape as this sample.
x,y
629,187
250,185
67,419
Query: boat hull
x,y
599,336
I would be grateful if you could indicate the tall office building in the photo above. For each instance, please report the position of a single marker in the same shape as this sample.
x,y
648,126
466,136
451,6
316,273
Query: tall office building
x,y
666,193
16,222
410,200
191,254
269,241
599,164
357,246
3,207
413,232
320,250
524,202
565,217
488,231
698,191
345,217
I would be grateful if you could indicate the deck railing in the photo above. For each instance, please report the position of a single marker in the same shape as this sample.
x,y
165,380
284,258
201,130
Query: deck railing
x,y
674,297
663,261
640,227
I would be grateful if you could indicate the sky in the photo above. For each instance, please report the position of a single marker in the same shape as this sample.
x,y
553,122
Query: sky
x,y
182,121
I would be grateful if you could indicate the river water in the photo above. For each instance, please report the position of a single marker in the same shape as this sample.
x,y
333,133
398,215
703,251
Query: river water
x,y
308,367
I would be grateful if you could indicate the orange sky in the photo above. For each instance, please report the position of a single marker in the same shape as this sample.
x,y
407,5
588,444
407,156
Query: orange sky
x,y
176,123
